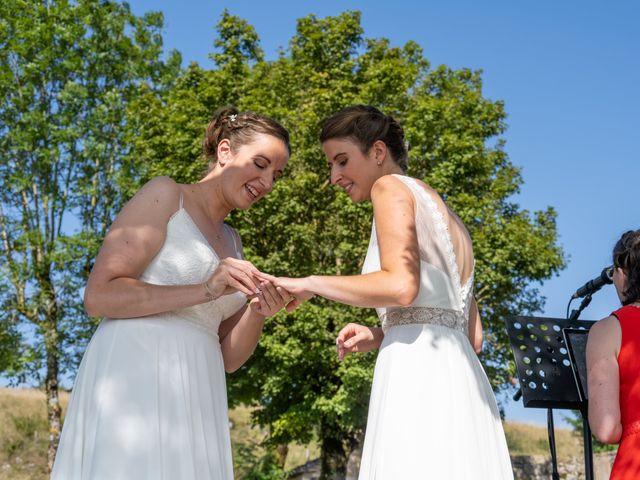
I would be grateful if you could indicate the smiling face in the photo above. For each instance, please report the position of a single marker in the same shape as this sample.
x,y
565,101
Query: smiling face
x,y
353,171
249,172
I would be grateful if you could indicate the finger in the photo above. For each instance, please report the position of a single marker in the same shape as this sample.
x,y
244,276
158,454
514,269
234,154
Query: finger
x,y
243,265
256,306
346,332
342,352
235,285
282,296
265,276
267,295
352,343
245,279
293,304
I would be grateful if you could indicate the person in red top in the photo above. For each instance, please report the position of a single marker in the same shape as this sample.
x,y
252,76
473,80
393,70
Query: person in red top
x,y
613,364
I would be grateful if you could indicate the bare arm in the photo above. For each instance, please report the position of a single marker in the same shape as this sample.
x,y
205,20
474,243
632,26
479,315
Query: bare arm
x,y
135,237
603,346
240,333
475,327
397,282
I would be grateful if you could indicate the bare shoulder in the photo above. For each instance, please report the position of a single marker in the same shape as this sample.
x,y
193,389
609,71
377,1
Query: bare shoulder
x,y
607,326
161,190
390,186
605,335
159,197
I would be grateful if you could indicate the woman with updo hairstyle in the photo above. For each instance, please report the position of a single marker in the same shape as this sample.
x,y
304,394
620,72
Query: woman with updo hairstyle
x,y
432,412
613,364
181,306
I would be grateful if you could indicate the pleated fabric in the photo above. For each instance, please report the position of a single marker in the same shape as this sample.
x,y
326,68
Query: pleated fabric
x,y
432,413
129,421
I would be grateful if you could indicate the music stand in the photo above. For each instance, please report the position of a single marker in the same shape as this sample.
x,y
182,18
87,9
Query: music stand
x,y
544,367
576,340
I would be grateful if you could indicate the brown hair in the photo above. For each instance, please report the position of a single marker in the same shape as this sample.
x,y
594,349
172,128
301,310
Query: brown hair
x,y
626,255
240,129
365,125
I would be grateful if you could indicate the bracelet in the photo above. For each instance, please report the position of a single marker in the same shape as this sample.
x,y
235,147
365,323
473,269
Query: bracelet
x,y
208,293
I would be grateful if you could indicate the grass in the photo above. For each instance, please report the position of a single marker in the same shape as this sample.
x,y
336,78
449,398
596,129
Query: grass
x,y
527,439
23,438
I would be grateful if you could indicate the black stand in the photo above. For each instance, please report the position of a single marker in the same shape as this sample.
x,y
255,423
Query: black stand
x,y
546,372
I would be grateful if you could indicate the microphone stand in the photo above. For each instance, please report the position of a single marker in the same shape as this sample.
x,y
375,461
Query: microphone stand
x,y
584,304
588,453
586,430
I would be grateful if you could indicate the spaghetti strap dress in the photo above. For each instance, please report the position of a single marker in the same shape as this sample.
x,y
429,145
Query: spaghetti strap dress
x,y
149,400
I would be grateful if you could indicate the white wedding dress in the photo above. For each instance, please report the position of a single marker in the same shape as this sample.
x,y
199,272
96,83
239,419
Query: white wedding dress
x,y
432,413
149,401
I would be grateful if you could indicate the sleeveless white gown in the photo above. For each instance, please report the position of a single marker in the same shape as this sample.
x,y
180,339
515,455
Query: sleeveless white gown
x,y
432,412
149,401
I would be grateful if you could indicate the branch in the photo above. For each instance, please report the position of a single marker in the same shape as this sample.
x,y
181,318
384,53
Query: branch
x,y
480,294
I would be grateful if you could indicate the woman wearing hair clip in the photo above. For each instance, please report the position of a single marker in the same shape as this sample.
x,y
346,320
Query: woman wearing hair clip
x,y
432,412
149,400
613,364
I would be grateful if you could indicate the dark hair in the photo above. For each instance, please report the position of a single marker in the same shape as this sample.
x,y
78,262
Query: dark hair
x,y
366,125
240,129
626,255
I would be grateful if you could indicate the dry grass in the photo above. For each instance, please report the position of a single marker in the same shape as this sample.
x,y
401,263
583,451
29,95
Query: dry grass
x,y
248,444
527,439
23,438
23,434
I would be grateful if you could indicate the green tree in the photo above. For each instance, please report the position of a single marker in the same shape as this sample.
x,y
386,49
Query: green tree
x,y
306,226
67,72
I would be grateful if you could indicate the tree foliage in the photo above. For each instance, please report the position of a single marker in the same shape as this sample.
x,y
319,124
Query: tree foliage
x,y
306,226
67,73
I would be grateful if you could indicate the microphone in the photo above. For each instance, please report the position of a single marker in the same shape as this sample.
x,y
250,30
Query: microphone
x,y
592,286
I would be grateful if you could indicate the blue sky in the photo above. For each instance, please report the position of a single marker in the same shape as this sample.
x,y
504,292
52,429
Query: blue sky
x,y
568,73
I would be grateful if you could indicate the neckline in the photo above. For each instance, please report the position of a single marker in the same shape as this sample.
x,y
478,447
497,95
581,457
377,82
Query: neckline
x,y
198,231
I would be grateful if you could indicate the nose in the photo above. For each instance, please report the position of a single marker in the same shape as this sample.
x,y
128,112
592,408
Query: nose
x,y
267,182
334,176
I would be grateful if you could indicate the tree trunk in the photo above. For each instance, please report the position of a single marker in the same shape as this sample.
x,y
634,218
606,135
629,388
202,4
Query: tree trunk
x,y
54,411
334,454
281,453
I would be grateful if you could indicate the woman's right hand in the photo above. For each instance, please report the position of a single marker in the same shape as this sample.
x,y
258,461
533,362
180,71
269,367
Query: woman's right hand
x,y
233,275
358,338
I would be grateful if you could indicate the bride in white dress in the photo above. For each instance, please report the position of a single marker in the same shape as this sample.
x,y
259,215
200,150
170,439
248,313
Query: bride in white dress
x,y
432,412
149,400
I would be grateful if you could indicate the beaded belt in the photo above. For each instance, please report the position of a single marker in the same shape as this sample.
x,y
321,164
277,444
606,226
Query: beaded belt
x,y
631,429
425,315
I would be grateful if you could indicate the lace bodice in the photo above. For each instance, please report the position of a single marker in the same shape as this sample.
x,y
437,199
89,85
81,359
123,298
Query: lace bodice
x,y
186,257
442,298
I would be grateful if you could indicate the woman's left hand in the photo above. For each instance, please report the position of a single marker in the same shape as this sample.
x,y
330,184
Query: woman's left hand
x,y
271,299
299,288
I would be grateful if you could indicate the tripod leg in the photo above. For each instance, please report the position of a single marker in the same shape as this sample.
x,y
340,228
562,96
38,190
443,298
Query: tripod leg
x,y
552,446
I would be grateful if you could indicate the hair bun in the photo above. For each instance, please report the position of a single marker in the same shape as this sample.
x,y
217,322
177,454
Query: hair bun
x,y
240,129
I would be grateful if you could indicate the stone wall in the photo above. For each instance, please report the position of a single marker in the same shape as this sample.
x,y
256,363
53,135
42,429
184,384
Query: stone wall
x,y
536,467
525,467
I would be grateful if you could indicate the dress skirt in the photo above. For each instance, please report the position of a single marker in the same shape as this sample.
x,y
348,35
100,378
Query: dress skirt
x,y
149,403
432,412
